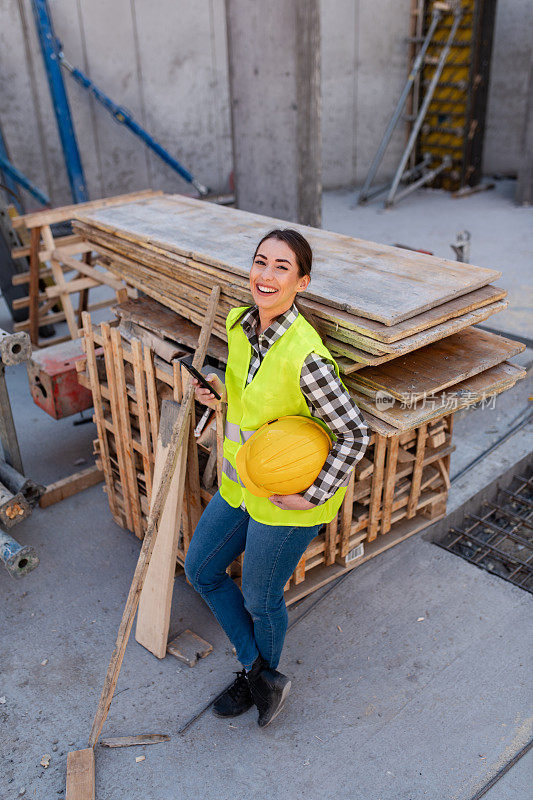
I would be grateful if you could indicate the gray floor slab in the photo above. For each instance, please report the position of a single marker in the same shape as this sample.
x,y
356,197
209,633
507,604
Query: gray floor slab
x,y
501,236
511,785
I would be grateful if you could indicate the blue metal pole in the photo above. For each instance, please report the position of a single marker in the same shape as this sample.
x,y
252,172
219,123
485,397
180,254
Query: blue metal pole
x,y
8,180
12,172
60,102
122,116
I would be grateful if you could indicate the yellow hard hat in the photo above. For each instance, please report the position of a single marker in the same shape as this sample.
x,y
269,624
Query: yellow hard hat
x,y
283,456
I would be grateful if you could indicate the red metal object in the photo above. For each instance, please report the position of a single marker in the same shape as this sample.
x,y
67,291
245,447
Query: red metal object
x,y
54,381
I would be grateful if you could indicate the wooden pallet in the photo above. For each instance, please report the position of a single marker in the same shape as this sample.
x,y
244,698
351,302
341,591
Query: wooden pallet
x,y
54,257
403,477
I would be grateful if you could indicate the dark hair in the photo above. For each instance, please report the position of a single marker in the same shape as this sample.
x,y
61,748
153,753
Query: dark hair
x,y
304,260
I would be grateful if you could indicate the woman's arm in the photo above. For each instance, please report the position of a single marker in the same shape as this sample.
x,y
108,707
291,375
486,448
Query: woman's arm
x,y
329,401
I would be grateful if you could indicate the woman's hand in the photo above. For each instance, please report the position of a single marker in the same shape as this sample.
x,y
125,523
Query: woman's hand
x,y
291,502
205,396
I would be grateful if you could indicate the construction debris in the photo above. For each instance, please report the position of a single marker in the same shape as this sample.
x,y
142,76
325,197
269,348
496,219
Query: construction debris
x,y
188,647
131,741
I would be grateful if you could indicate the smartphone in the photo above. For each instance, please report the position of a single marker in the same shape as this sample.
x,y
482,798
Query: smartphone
x,y
202,380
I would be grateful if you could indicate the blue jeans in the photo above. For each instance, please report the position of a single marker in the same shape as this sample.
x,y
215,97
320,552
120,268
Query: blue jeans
x,y
255,619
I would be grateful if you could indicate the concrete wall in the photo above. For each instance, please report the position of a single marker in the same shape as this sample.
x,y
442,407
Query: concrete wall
x,y
166,60
274,76
364,67
513,44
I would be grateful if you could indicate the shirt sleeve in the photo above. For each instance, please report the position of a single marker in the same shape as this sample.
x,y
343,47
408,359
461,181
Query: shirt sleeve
x,y
329,401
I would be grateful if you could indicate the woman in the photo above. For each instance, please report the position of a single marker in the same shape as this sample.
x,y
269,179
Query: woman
x,y
277,366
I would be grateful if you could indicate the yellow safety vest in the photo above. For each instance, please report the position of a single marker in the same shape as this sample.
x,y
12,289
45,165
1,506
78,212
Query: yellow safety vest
x,y
273,392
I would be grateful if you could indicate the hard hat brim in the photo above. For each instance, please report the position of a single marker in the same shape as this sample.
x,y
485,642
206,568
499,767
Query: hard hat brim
x,y
252,487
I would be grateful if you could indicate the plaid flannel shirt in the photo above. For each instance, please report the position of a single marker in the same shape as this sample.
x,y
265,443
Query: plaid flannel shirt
x,y
326,398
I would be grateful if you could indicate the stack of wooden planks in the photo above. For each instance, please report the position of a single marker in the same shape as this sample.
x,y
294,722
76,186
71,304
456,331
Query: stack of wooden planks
x,y
397,488
398,322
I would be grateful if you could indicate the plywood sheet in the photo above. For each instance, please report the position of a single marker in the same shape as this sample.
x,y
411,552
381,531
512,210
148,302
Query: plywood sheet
x,y
438,366
464,394
352,324
427,319
372,280
359,358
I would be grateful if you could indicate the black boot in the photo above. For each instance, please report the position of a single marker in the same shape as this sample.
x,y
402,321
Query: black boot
x,y
269,689
236,699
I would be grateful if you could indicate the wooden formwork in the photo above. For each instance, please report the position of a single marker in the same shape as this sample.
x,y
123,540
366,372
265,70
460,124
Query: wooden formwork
x,y
398,487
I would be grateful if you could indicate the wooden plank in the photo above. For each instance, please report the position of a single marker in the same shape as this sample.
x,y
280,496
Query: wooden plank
x,y
115,414
33,323
331,540
238,289
66,302
444,473
123,429
438,366
90,272
299,573
52,215
132,741
98,409
70,287
417,471
142,406
193,481
72,484
57,317
168,324
153,617
151,389
25,277
188,647
464,394
70,241
80,775
372,280
390,480
420,322
417,340
377,486
347,514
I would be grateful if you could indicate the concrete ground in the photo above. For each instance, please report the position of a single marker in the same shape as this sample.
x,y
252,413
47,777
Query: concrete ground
x,y
501,236
411,679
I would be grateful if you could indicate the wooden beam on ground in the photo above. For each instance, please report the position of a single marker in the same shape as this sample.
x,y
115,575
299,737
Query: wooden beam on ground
x,y
66,487
80,775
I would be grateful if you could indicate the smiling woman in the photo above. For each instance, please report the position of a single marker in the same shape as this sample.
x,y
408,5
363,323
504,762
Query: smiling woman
x,y
278,368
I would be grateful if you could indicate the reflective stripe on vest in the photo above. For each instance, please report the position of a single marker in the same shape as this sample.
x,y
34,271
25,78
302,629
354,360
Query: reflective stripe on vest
x,y
234,433
230,471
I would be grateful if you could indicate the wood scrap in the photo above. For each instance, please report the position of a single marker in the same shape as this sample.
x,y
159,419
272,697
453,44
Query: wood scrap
x,y
132,741
188,647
